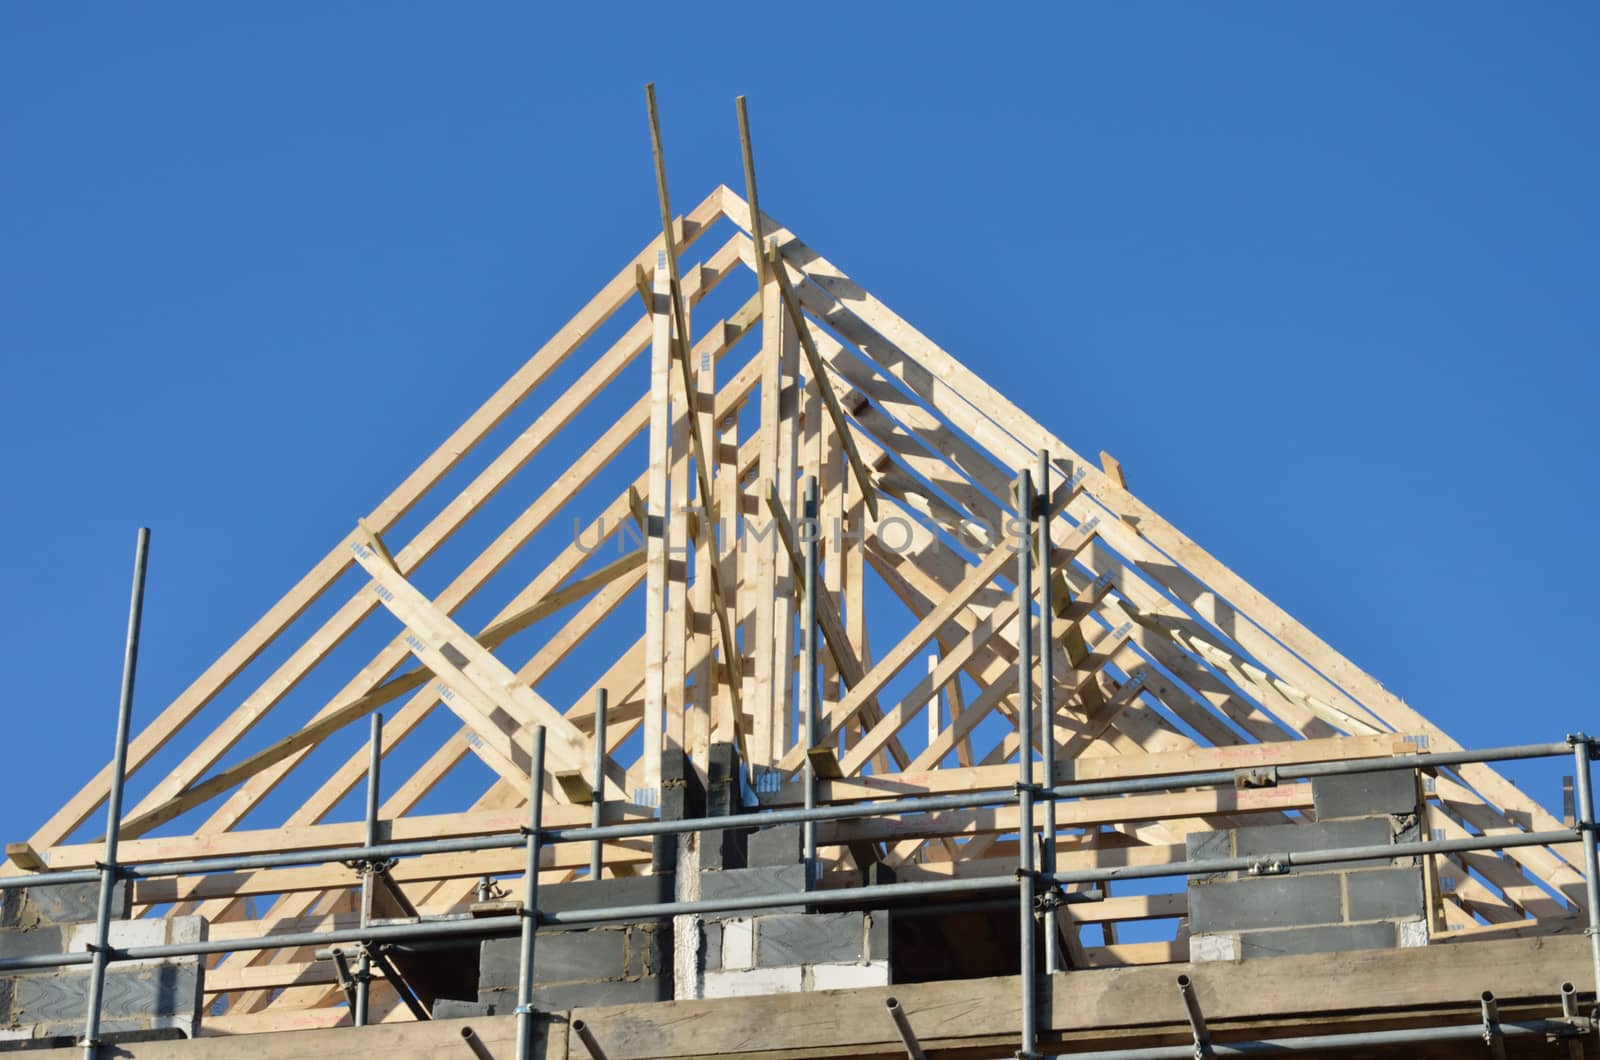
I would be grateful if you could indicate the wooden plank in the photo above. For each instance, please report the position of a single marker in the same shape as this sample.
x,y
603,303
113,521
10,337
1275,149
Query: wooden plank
x,y
451,653
819,377
656,527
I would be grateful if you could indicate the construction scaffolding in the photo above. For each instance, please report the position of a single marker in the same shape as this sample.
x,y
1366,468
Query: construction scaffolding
x,y
827,501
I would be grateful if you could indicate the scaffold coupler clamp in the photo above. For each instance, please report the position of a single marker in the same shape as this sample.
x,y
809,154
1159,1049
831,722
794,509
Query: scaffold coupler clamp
x,y
1593,745
1270,865
1257,777
371,866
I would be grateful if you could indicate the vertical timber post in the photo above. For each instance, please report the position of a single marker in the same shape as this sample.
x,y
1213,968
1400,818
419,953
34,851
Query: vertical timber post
x,y
1025,823
119,772
1047,717
530,900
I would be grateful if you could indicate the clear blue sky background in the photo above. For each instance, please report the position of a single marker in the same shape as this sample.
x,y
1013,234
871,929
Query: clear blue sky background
x,y
1322,276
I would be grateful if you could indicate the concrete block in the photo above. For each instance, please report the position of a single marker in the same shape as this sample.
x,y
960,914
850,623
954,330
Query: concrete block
x,y
455,1009
807,938
1213,947
1365,794
1384,894
1204,846
47,938
151,994
722,848
70,903
1332,938
1314,835
711,944
599,894
738,944
778,844
754,982
558,956
1269,902
768,879
650,949
849,976
1413,933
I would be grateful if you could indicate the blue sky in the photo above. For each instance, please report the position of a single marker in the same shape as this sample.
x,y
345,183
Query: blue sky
x,y
1320,276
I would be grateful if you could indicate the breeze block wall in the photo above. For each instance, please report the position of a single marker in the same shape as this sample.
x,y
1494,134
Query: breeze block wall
x,y
611,964
1315,909
141,998
786,950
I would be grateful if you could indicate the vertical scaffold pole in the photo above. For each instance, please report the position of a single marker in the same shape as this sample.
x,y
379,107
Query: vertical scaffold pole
x,y
530,901
369,868
119,773
1582,753
1025,822
597,816
1047,695
808,677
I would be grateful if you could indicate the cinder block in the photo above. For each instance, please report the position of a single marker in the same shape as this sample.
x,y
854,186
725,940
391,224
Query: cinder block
x,y
741,883
777,844
738,944
1413,933
849,976
45,939
1365,794
1213,947
711,944
1269,902
754,982
1332,938
153,993
558,956
549,996
1263,840
455,1009
1208,846
1384,894
650,949
69,903
808,938
600,894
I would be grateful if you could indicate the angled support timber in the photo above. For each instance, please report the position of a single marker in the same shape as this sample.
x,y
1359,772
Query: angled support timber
x,y
476,676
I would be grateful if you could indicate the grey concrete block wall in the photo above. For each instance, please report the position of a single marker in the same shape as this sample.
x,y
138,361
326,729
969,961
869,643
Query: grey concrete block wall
x,y
139,996
1365,794
1321,908
785,939
1268,902
608,965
